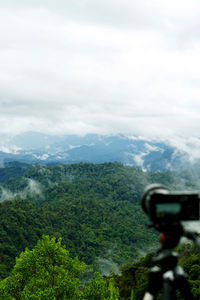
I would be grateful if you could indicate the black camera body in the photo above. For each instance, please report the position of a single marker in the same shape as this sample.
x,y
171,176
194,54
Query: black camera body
x,y
165,207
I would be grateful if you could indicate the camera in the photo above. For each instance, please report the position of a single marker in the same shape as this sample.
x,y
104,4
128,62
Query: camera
x,y
165,207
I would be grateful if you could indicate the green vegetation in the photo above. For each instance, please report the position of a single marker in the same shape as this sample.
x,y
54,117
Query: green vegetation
x,y
47,272
14,169
134,277
96,210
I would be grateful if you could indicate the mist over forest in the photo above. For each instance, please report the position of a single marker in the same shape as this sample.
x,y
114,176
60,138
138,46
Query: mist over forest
x,y
94,208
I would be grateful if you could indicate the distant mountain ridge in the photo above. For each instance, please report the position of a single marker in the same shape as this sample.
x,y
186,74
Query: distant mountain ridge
x,y
39,148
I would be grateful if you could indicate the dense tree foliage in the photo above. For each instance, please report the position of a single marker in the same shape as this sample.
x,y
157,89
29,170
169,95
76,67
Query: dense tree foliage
x,y
47,272
134,277
94,208
12,169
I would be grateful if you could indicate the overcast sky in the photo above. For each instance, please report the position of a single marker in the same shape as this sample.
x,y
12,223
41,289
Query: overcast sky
x,y
100,66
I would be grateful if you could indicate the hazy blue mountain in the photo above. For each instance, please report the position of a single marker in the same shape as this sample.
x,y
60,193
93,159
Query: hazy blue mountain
x,y
38,148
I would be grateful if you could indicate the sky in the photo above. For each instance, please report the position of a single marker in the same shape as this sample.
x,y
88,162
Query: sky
x,y
100,66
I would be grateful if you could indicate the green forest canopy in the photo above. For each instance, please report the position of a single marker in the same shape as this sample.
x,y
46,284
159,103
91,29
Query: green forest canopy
x,y
94,208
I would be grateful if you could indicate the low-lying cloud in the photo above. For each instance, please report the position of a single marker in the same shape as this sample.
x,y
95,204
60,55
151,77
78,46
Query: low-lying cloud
x,y
6,194
33,189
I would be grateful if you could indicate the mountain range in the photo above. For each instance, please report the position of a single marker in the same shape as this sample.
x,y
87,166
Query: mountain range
x,y
39,148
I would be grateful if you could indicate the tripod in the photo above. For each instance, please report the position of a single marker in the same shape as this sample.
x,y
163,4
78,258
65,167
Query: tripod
x,y
166,276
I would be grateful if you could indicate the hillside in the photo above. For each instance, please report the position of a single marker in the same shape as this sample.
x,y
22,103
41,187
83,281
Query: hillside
x,y
95,208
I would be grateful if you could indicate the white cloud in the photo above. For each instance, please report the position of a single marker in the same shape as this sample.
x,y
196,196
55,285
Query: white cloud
x,y
33,187
6,194
100,66
189,146
12,149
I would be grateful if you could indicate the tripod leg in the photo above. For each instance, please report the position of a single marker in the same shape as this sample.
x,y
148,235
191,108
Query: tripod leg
x,y
183,284
169,291
154,285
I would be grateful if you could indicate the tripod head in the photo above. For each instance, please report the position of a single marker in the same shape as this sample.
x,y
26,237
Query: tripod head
x,y
170,234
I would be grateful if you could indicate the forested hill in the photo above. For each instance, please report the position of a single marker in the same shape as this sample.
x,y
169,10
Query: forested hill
x,y
95,208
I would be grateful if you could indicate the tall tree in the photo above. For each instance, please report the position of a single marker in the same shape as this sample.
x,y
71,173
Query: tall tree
x,y
46,272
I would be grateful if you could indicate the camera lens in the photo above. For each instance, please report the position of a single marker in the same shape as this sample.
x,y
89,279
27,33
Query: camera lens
x,y
148,192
